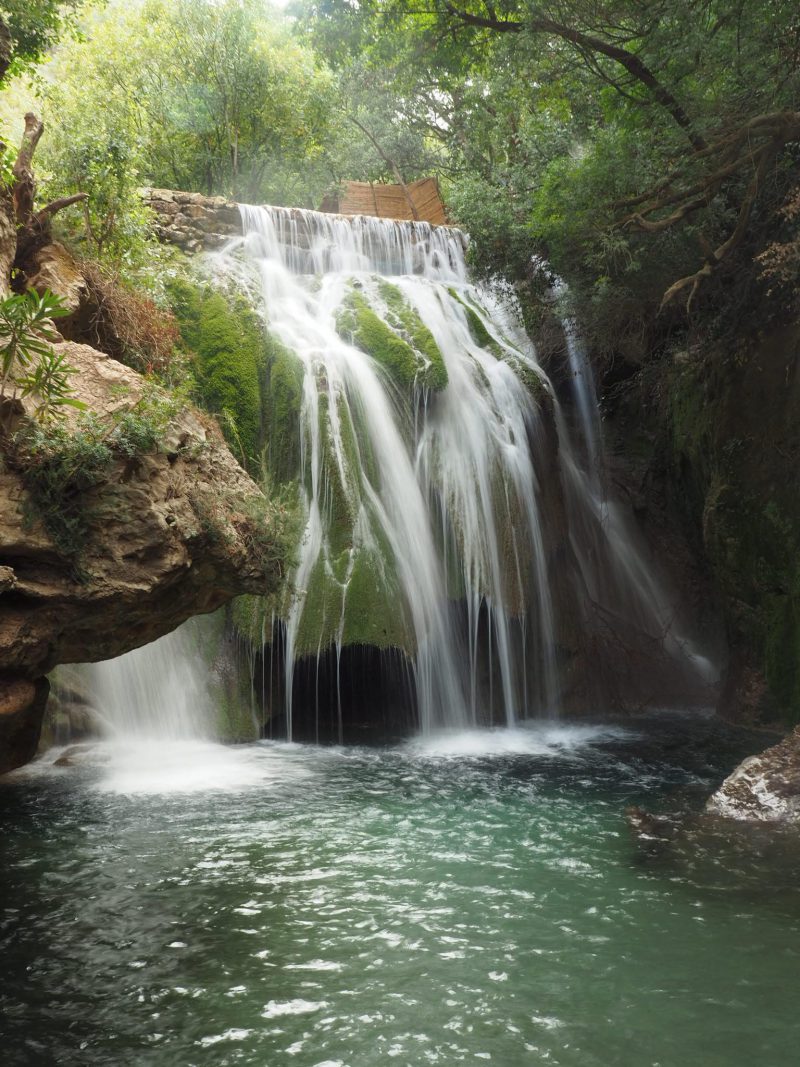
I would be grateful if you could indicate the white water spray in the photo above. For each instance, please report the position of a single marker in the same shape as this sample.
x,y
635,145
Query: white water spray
x,y
154,694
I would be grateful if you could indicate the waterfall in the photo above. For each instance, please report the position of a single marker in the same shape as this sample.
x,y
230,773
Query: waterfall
x,y
419,482
154,694
612,563
433,466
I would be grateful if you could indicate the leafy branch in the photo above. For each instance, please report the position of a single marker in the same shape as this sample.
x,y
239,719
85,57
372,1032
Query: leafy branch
x,y
28,361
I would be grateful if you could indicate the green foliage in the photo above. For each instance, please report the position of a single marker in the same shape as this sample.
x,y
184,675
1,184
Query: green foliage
x,y
8,158
24,329
48,381
35,26
28,361
227,340
267,525
547,117
188,94
141,428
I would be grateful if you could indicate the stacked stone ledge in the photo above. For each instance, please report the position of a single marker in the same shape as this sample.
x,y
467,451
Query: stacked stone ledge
x,y
192,221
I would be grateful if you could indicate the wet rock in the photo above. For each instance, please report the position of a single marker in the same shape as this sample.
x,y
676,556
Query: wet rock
x,y
765,788
192,221
74,755
649,827
7,580
22,703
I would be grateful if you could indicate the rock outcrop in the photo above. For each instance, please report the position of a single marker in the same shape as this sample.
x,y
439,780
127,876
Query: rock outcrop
x,y
765,788
172,529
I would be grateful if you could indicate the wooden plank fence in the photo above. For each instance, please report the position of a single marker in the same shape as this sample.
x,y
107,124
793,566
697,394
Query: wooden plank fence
x,y
389,201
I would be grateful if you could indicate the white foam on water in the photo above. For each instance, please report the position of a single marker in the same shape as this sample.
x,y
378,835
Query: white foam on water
x,y
182,767
136,766
527,739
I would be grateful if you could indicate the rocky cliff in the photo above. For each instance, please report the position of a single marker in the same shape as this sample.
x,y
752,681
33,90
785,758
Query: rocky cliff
x,y
710,426
715,427
162,529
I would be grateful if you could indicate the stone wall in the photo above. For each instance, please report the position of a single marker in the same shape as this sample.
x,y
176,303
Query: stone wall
x,y
192,221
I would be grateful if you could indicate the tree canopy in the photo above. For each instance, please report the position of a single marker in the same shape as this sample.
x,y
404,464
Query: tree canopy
x,y
644,147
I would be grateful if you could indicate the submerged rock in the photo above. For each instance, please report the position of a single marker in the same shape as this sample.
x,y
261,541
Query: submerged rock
x,y
765,787
77,754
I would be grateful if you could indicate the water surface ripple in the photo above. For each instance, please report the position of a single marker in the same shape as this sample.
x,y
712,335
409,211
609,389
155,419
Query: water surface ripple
x,y
474,899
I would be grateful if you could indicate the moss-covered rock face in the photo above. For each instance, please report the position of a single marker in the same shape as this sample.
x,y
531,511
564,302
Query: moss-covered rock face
x,y
227,340
480,335
398,341
316,437
283,399
732,444
531,378
352,595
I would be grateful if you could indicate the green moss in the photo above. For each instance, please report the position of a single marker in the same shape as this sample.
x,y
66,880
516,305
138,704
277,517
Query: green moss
x,y
734,491
227,340
690,428
782,652
322,610
250,616
480,335
374,607
342,488
403,318
411,360
529,378
282,406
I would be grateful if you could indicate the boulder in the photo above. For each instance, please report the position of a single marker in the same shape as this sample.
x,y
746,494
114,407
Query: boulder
x,y
765,787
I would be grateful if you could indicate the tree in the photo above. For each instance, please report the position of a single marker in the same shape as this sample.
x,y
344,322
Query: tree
x,y
193,94
701,93
29,28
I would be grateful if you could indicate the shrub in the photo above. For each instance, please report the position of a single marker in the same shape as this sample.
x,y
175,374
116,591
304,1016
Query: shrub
x,y
127,325
28,362
59,466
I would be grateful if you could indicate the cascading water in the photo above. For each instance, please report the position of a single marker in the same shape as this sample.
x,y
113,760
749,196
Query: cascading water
x,y
626,584
437,483
428,442
154,694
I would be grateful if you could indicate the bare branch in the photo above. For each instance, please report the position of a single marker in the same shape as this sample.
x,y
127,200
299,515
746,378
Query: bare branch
x,y
390,163
718,255
58,205
634,65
